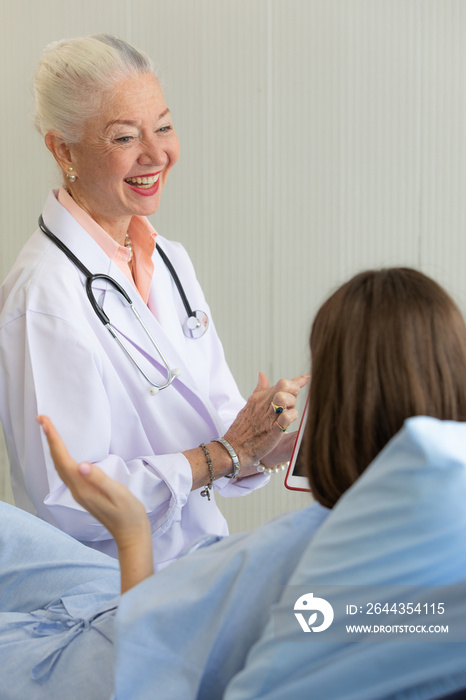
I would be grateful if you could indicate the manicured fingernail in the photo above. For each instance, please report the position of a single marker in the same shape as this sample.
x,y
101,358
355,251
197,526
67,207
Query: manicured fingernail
x,y
84,468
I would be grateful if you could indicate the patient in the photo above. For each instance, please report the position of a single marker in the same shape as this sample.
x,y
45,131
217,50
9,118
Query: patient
x,y
386,346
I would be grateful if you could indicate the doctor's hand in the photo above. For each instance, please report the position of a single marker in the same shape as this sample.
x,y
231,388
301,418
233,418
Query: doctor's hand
x,y
258,431
282,452
111,503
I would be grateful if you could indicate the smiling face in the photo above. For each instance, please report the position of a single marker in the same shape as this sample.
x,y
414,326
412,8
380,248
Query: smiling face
x,y
123,159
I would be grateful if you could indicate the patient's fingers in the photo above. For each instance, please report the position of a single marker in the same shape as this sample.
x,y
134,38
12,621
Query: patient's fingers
x,y
60,454
65,465
105,484
110,502
106,499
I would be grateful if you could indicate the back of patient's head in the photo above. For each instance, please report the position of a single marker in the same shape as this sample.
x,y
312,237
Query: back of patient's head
x,y
387,345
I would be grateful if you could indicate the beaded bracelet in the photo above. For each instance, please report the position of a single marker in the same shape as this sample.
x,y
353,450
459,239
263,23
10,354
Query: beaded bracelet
x,y
271,470
208,487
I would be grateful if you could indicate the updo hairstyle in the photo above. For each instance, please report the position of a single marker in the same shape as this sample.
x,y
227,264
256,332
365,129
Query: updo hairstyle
x,y
74,76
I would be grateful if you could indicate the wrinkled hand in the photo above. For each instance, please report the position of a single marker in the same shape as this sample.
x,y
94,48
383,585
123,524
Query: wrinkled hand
x,y
110,502
255,431
282,452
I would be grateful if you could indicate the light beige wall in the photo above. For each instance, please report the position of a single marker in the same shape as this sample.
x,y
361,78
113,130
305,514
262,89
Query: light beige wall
x,y
319,137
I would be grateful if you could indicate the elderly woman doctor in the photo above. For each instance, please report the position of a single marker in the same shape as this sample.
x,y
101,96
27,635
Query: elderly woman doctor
x,y
104,327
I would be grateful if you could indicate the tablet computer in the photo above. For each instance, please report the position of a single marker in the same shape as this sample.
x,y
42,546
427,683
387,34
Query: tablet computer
x,y
296,479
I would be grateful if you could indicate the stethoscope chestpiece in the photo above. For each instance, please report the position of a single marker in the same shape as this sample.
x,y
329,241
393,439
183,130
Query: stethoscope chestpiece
x,y
196,325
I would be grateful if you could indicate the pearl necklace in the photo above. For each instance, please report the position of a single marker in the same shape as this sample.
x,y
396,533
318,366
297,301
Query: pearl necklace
x,y
129,246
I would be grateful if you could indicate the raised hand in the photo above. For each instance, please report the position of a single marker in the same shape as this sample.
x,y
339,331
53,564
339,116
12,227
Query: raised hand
x,y
111,503
258,429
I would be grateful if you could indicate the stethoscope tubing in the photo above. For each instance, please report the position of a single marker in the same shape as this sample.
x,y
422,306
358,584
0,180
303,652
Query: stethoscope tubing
x,y
90,278
176,279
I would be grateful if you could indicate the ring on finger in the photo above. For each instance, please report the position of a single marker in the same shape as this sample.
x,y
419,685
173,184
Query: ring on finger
x,y
280,426
277,409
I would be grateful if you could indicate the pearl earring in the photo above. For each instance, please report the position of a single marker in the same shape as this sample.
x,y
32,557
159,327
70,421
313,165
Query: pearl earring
x,y
69,176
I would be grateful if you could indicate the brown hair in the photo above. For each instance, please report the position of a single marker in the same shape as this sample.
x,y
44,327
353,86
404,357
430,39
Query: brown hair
x,y
387,345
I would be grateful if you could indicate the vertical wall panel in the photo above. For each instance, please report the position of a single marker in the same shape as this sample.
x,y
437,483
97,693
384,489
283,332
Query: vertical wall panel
x,y
443,154
318,137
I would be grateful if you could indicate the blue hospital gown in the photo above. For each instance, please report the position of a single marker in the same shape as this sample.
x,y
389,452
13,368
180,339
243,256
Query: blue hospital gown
x,y
185,632
204,627
57,600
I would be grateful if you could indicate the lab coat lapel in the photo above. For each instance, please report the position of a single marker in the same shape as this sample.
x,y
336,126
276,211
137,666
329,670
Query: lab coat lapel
x,y
122,319
64,226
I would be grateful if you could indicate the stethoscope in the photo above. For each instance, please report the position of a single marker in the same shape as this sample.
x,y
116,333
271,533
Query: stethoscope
x,y
194,326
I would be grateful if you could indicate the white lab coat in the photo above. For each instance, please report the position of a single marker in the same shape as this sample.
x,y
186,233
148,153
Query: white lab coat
x,y
58,359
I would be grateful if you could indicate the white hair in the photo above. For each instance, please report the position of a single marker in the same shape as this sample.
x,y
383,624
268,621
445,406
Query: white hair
x,y
74,76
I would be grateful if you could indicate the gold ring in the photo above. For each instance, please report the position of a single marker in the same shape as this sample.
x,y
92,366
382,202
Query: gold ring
x,y
277,409
282,429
